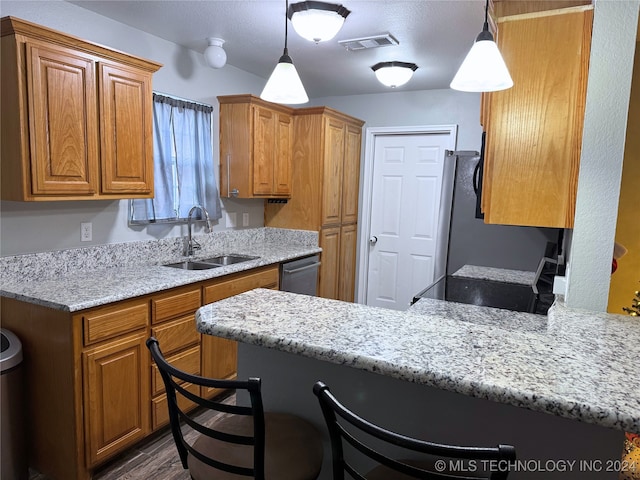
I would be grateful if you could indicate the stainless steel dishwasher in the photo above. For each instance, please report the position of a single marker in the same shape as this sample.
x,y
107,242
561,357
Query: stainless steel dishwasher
x,y
300,276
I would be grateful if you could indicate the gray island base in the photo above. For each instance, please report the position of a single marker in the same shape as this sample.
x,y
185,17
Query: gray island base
x,y
561,397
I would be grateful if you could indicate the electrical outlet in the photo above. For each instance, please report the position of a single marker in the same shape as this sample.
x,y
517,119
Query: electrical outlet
x,y
245,219
86,231
231,219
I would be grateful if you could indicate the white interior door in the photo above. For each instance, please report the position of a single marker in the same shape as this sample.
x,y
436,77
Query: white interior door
x,y
405,216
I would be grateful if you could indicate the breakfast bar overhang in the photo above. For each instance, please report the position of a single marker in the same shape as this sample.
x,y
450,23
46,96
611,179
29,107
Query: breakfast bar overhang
x,y
562,391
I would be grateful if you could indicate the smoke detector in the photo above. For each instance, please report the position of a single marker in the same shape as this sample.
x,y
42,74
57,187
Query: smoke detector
x,y
364,43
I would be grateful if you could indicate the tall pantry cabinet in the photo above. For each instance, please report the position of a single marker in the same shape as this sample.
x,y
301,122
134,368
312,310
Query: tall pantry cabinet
x,y
326,171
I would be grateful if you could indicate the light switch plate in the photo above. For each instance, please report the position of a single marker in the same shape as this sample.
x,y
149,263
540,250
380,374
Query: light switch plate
x,y
232,219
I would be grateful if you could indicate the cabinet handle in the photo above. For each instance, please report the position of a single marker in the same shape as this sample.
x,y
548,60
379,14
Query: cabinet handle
x,y
301,269
234,192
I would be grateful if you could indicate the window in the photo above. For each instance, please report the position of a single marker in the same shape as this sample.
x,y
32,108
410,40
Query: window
x,y
183,164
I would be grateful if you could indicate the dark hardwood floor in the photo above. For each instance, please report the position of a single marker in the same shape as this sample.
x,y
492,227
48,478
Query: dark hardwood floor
x,y
155,458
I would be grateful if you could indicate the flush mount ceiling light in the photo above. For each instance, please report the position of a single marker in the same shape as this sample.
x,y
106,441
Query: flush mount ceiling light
x,y
284,84
214,54
483,69
317,21
394,74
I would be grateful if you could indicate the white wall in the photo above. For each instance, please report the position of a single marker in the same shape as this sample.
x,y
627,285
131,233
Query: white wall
x,y
36,227
610,72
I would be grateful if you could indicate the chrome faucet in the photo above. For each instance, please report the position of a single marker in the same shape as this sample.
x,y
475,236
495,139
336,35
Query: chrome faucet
x,y
192,244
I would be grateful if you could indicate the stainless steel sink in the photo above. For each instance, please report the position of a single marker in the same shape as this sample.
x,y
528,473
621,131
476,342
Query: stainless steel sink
x,y
187,265
228,259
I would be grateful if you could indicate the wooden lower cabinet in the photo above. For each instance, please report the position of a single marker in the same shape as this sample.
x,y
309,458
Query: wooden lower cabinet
x,y
347,260
338,269
92,389
115,382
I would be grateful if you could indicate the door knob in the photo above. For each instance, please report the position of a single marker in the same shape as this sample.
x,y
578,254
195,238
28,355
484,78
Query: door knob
x,y
373,240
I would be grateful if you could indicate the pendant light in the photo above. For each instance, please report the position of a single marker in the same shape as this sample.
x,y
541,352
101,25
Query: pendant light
x,y
483,69
317,21
284,84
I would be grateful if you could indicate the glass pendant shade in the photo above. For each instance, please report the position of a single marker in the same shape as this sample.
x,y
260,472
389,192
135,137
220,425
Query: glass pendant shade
x,y
317,21
284,84
483,70
394,74
214,54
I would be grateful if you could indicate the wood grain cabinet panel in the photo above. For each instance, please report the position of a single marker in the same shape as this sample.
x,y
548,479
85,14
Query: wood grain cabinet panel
x,y
76,118
116,386
328,279
126,119
177,302
534,129
113,320
63,121
347,267
176,334
255,148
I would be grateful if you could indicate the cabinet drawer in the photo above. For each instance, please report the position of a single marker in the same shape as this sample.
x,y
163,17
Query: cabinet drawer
x,y
160,409
187,361
176,334
175,303
243,282
114,320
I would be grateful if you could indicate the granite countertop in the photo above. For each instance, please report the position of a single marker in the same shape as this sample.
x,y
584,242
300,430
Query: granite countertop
x,y
74,280
575,364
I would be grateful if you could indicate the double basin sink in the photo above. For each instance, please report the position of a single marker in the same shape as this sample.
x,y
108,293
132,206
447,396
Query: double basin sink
x,y
213,262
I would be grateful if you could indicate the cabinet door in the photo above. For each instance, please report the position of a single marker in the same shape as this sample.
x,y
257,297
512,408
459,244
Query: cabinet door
x,y
126,122
62,121
116,396
330,267
347,262
264,148
534,131
351,174
282,160
332,178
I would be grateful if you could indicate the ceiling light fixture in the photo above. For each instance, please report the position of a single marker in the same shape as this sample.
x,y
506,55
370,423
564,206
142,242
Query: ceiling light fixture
x,y
214,54
483,69
317,21
394,74
284,84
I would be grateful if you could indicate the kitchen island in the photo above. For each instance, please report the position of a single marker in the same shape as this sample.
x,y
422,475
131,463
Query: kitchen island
x,y
562,392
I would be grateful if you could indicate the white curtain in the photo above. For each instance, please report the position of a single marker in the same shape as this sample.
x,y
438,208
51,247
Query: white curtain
x,y
183,164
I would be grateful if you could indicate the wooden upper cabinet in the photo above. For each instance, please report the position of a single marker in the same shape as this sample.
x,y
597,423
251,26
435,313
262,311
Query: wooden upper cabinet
x,y
351,174
333,165
126,120
62,121
76,118
256,139
534,130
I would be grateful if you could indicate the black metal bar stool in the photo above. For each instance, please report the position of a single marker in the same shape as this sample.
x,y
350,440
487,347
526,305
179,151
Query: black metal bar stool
x,y
245,441
436,461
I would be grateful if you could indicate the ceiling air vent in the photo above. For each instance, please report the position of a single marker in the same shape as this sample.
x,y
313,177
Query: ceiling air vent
x,y
364,43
